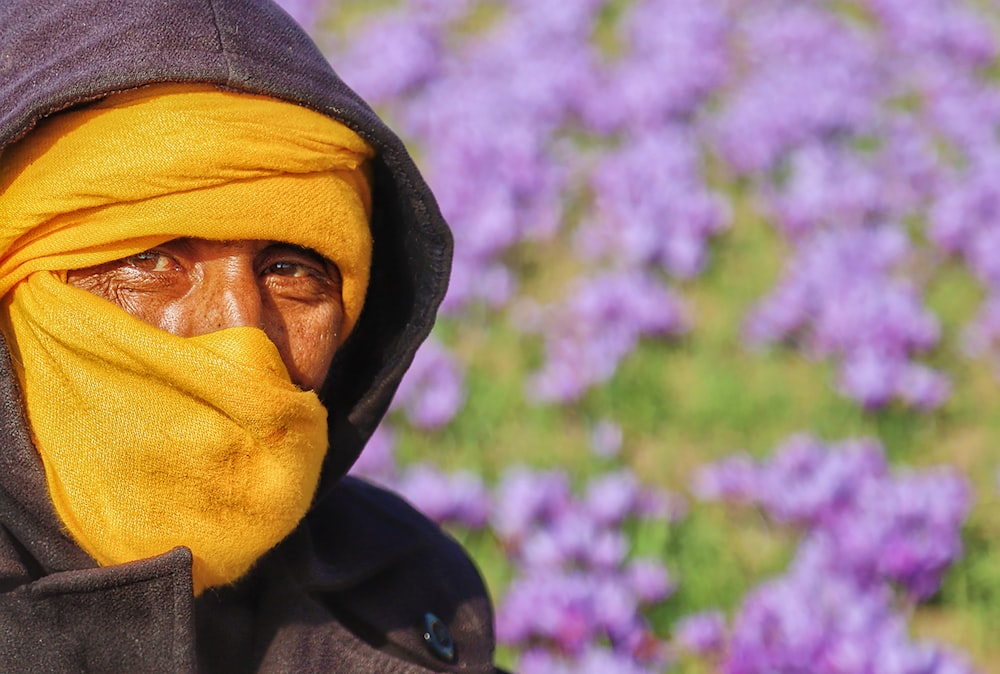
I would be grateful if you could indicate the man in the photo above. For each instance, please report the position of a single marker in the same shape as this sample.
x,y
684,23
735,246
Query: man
x,y
216,265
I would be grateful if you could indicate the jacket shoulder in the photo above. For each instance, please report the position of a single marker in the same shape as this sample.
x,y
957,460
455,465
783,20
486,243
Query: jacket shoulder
x,y
398,580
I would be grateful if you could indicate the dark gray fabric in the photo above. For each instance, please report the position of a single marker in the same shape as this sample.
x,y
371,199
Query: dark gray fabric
x,y
349,589
55,54
137,618
366,566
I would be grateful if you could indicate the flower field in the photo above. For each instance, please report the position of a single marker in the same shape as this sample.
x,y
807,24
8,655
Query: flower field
x,y
717,381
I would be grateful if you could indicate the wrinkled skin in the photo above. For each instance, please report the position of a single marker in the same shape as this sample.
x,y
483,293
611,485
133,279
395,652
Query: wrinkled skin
x,y
191,287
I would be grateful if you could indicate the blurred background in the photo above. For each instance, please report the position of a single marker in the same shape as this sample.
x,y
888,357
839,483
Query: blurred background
x,y
716,384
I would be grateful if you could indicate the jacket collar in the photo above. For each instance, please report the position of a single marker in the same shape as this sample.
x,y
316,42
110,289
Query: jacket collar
x,y
353,533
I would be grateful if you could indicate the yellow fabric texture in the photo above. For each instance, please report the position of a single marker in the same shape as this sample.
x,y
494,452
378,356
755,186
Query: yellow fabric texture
x,y
168,161
151,440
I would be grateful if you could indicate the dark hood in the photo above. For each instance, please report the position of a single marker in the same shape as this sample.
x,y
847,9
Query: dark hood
x,y
57,54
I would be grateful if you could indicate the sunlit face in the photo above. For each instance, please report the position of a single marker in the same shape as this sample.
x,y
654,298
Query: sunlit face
x,y
191,287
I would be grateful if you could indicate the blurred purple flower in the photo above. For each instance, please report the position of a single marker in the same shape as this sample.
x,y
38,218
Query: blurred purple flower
x,y
378,461
649,580
569,611
594,660
839,297
597,327
492,159
652,206
612,497
574,539
555,607
934,29
812,75
967,212
305,12
867,533
826,624
806,482
905,530
676,56
390,56
982,335
575,585
661,505
922,388
869,377
432,391
733,480
456,498
702,633
526,499
540,660
827,185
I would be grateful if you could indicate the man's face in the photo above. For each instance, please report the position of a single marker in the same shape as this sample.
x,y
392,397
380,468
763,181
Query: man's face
x,y
191,287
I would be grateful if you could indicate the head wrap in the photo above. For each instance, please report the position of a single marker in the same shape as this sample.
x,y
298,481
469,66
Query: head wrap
x,y
169,161
150,440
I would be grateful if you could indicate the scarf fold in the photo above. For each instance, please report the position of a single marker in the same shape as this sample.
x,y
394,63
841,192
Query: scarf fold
x,y
150,440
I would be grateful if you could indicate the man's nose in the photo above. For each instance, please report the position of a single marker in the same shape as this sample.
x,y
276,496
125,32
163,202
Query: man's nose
x,y
227,297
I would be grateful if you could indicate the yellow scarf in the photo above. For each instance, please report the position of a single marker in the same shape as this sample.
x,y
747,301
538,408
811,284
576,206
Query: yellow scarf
x,y
150,440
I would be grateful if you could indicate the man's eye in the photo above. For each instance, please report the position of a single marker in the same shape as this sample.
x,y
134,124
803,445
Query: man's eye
x,y
295,269
151,260
292,270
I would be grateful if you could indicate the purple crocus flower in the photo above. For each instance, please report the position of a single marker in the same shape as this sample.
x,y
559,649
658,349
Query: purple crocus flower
x,y
863,521
305,12
599,325
825,182
649,581
868,534
676,57
458,498
525,499
574,538
812,75
826,624
378,461
702,633
594,660
612,497
733,480
541,660
570,611
432,391
808,483
839,298
929,28
391,55
905,530
652,206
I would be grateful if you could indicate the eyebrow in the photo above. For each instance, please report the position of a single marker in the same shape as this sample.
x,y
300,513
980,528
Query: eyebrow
x,y
303,250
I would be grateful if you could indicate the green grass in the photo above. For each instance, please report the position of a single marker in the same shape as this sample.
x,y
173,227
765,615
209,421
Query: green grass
x,y
686,402
683,403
